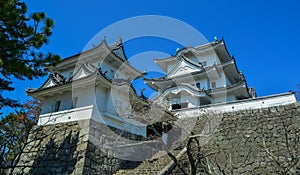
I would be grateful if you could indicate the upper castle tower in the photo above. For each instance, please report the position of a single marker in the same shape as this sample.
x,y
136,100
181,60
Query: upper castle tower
x,y
201,75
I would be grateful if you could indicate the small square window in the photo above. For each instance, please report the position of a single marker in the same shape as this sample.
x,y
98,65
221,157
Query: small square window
x,y
198,85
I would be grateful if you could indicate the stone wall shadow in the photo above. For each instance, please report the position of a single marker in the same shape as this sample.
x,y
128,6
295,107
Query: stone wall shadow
x,y
57,158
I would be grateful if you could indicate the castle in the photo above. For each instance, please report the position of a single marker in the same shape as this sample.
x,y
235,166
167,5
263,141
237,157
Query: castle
x,y
97,84
88,86
201,75
89,91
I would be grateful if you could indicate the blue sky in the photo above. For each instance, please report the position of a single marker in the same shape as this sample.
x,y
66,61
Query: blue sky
x,y
262,35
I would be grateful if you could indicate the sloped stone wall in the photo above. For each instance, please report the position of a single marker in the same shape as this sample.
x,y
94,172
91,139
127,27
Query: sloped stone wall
x,y
260,141
64,148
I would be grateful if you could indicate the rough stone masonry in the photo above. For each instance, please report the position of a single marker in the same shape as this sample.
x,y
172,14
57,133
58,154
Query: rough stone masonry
x,y
258,141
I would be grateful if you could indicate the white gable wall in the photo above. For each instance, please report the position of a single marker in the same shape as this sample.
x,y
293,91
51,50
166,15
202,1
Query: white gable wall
x,y
211,59
171,67
182,68
105,66
50,83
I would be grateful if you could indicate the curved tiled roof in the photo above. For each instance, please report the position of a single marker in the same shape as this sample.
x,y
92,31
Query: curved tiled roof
x,y
88,68
189,48
192,89
52,80
186,87
118,46
202,71
115,46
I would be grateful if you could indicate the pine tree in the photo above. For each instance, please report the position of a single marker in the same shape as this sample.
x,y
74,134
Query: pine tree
x,y
21,37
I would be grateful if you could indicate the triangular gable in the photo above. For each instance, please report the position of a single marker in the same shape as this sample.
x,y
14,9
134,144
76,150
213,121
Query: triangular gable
x,y
120,53
80,74
49,82
183,67
83,71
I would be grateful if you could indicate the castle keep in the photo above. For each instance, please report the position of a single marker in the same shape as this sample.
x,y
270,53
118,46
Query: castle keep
x,y
91,110
198,76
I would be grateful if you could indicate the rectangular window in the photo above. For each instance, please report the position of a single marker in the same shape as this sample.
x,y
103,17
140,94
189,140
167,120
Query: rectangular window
x,y
176,106
57,105
198,85
213,85
180,106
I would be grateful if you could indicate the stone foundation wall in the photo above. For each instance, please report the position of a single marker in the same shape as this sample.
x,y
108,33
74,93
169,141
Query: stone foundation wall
x,y
259,141
64,148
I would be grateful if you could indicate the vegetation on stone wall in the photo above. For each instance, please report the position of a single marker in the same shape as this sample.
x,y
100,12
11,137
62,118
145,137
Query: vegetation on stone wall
x,y
14,130
21,37
259,141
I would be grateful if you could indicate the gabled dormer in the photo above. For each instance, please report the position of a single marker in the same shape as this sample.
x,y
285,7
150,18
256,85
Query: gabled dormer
x,y
53,80
184,66
83,70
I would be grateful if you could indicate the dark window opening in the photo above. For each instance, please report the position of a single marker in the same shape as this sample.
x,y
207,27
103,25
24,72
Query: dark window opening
x,y
198,85
57,105
213,85
155,130
179,106
176,106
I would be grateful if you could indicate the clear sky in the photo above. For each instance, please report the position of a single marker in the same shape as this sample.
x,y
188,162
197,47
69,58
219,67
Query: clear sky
x,y
263,35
